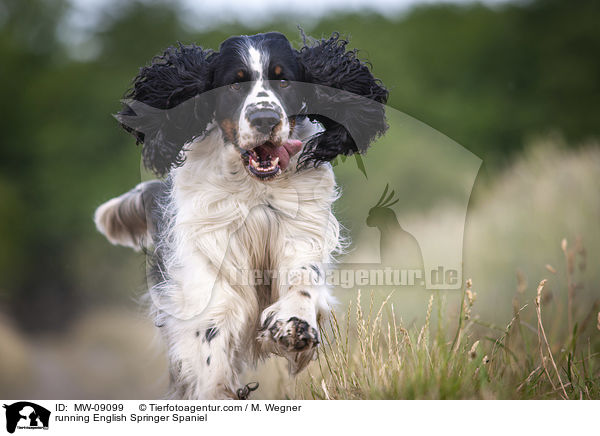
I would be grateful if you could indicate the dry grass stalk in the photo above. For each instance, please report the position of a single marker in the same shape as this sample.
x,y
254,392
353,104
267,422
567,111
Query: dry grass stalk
x,y
473,350
467,301
570,255
543,340
424,334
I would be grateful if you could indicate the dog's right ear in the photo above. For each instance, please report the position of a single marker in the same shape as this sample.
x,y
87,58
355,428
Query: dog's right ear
x,y
359,108
163,110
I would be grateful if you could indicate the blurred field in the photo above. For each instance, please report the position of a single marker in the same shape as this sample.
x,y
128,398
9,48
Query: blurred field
x,y
513,234
107,354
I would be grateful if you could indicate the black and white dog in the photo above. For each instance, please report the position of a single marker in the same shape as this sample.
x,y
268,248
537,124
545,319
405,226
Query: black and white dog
x,y
245,137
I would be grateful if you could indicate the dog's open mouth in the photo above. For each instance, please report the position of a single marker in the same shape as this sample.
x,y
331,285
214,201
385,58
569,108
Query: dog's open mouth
x,y
268,160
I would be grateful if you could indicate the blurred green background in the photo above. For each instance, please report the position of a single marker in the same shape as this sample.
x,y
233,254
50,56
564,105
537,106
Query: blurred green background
x,y
516,83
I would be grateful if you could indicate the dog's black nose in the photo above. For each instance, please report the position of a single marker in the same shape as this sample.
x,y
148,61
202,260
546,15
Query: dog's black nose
x,y
264,120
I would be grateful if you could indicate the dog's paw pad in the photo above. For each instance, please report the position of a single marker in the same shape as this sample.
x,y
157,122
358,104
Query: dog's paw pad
x,y
292,335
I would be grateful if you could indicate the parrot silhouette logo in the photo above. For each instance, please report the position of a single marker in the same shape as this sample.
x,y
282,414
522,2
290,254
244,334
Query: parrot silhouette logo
x,y
397,247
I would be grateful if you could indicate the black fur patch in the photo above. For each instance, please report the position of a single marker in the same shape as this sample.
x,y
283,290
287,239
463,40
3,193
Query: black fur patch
x,y
211,333
316,269
153,111
327,62
268,320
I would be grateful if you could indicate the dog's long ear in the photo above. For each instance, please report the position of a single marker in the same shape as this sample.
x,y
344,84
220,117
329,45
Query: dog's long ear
x,y
163,109
350,122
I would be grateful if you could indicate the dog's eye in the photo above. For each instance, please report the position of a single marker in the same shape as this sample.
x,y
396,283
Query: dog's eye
x,y
284,83
235,86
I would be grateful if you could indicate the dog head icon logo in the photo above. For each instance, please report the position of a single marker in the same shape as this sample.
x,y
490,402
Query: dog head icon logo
x,y
26,415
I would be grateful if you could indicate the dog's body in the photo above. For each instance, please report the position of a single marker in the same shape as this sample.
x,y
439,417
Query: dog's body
x,y
239,199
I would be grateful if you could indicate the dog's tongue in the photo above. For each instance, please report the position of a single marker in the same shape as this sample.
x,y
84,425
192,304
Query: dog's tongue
x,y
284,152
292,146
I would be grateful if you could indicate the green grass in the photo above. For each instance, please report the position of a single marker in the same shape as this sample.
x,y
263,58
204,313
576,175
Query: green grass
x,y
543,352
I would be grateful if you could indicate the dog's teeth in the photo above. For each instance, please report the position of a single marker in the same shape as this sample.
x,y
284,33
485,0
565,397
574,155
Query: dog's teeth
x,y
274,162
254,163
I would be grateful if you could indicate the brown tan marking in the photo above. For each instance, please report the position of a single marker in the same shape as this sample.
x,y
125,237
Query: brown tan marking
x,y
230,129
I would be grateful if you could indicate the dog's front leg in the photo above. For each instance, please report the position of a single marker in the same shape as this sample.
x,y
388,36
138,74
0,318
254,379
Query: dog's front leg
x,y
202,360
207,352
289,327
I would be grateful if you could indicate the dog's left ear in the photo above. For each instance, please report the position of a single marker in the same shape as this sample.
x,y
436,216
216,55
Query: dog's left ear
x,y
351,119
164,110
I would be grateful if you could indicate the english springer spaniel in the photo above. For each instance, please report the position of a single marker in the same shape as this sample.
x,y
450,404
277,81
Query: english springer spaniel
x,y
245,137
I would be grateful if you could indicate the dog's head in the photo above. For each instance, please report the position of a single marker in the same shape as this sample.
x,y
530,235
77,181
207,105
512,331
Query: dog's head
x,y
251,90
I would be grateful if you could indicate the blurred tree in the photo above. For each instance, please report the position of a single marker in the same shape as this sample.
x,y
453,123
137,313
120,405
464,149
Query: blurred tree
x,y
488,78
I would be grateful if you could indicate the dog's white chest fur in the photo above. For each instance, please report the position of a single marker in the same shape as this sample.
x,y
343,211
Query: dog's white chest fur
x,y
219,214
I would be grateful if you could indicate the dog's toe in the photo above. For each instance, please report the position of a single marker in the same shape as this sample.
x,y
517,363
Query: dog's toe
x,y
299,335
294,334
294,339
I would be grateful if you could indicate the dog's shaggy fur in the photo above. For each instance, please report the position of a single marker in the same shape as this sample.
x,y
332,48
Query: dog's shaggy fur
x,y
249,188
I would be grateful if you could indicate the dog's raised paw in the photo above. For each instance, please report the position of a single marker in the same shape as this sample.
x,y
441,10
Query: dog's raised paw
x,y
292,335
